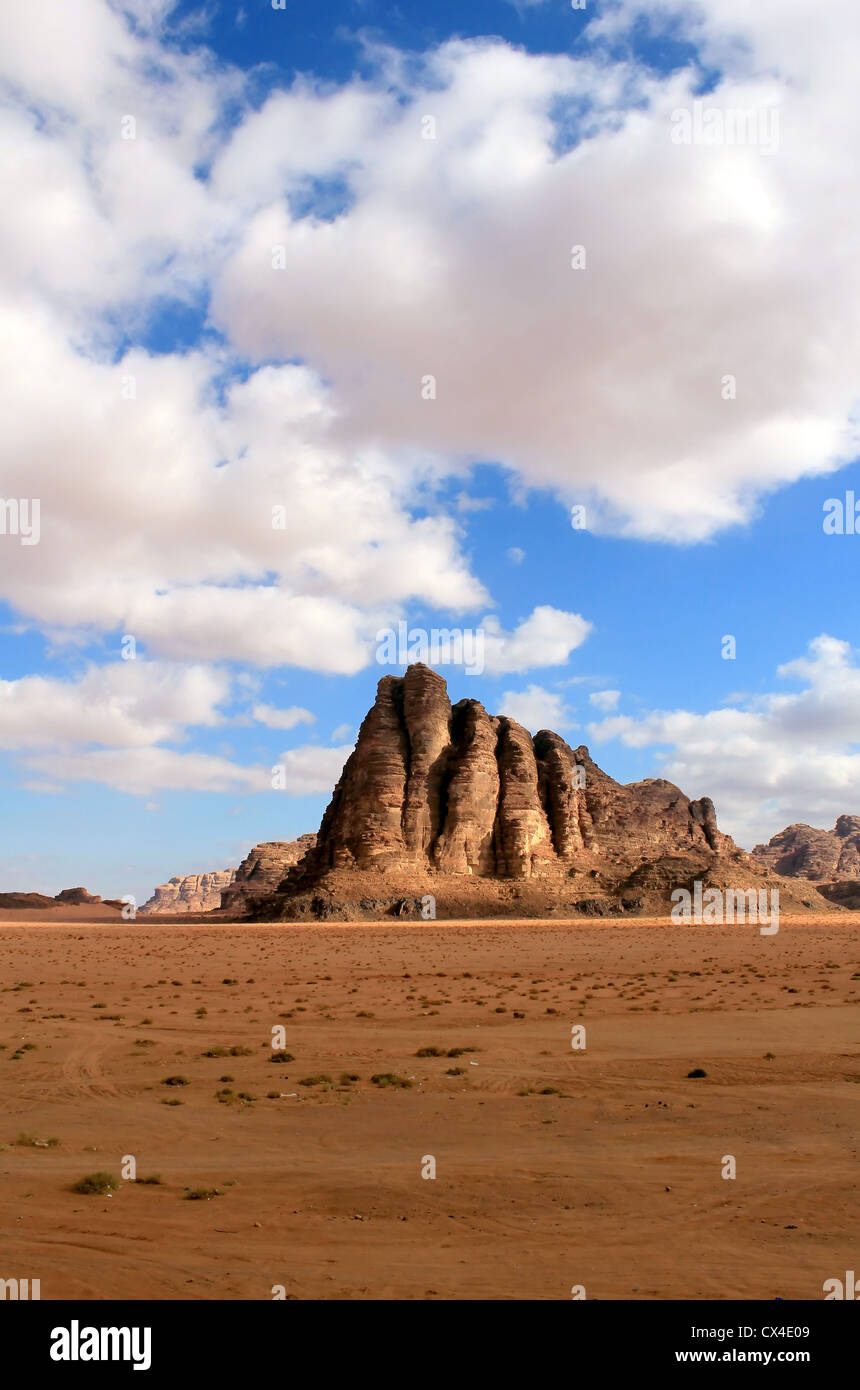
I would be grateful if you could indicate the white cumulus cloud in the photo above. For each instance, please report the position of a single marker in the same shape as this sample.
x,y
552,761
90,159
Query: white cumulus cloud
x,y
545,638
776,758
536,708
282,718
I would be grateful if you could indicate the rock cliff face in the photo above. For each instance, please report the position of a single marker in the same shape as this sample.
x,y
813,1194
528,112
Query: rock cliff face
x,y
191,893
458,791
828,858
261,873
233,891
801,851
468,807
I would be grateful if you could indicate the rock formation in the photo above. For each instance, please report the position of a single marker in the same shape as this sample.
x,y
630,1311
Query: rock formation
x,y
76,897
191,893
261,873
801,851
468,807
828,858
66,898
459,791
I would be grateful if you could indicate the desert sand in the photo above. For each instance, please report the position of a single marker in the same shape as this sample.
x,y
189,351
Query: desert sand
x,y
554,1167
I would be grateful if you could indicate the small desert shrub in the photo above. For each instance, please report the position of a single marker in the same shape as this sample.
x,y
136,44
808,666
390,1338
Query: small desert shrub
x,y
32,1141
347,1077
321,1080
96,1184
175,1081
202,1194
282,1057
154,1180
430,1052
365,1013
696,1072
389,1078
456,1071
172,1100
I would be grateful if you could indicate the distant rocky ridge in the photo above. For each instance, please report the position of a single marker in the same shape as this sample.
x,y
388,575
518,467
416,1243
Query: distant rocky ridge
x,y
262,872
801,851
452,806
828,858
233,892
191,893
471,809
68,897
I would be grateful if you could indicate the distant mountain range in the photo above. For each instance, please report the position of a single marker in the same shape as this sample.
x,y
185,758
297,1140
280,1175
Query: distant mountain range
x,y
68,898
830,859
450,811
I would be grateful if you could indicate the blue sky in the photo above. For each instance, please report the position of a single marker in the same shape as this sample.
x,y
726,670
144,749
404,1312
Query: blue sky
x,y
231,305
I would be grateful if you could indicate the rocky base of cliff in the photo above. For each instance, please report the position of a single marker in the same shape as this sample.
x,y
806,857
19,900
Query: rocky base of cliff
x,y
587,891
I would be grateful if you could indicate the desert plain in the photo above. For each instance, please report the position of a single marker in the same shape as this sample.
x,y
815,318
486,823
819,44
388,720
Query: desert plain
x,y
597,1168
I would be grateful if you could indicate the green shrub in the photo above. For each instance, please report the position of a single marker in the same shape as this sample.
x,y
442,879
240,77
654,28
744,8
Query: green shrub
x,y
96,1184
